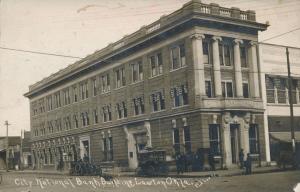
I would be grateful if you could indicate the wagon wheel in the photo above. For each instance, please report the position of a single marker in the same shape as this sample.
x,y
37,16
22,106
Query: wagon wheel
x,y
150,171
78,169
163,169
139,171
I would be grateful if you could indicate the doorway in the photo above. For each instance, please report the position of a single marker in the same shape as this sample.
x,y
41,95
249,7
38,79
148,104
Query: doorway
x,y
235,142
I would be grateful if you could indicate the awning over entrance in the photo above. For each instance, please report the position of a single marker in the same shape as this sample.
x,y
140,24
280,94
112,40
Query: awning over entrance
x,y
284,136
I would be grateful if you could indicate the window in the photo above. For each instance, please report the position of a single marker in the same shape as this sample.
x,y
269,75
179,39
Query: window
x,y
214,138
110,149
187,139
84,90
179,95
139,105
156,63
137,71
120,77
178,56
243,53
49,103
253,138
208,89
85,119
67,123
66,95
225,54
245,90
57,99
94,81
158,101
206,52
50,127
75,121
107,147
58,125
105,83
106,113
227,89
121,109
176,140
75,97
96,120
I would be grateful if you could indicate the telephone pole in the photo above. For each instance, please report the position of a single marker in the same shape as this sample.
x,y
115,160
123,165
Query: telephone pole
x,y
291,100
7,144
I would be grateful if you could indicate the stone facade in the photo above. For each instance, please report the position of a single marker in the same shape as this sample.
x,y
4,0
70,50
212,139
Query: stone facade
x,y
182,84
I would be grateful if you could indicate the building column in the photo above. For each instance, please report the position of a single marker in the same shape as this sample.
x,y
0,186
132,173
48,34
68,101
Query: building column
x,y
246,139
237,68
254,79
227,146
198,64
149,137
216,66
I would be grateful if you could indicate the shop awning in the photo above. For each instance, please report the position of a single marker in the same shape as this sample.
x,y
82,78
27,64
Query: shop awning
x,y
284,136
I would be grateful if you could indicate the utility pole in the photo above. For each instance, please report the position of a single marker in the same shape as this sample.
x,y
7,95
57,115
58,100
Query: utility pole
x,y
7,144
291,100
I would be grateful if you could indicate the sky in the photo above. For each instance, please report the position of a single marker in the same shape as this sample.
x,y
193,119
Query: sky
x,y
80,27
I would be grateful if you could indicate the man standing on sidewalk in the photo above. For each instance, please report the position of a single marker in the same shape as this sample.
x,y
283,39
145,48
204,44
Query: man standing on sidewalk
x,y
248,164
241,158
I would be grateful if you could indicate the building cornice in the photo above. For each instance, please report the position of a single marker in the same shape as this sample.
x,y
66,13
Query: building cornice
x,y
204,14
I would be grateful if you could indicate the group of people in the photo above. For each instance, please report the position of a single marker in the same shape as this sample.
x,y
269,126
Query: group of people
x,y
247,164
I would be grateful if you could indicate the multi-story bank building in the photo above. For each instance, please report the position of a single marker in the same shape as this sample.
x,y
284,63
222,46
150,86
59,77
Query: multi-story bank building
x,y
187,83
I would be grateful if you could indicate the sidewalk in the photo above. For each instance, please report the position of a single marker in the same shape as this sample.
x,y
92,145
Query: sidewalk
x,y
217,173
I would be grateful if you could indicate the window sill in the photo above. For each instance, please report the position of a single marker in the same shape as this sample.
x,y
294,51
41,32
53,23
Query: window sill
x,y
118,88
154,112
137,82
182,106
173,70
153,77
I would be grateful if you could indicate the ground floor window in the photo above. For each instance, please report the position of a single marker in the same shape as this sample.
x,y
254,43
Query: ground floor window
x,y
214,139
187,139
253,139
176,140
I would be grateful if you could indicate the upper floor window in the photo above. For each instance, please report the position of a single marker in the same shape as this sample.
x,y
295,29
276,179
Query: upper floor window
x,y
96,119
245,89
178,56
156,64
66,95
121,109
179,95
76,121
50,127
105,83
95,87
49,103
75,94
137,71
67,123
106,113
206,52
139,105
243,53
226,54
158,101
84,90
227,89
208,88
57,99
120,77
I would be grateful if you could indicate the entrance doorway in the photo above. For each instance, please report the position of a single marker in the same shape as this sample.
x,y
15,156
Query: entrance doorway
x,y
85,152
235,142
141,141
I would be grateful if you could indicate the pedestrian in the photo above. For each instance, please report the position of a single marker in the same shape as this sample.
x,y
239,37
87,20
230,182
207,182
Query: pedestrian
x,y
241,158
177,159
248,164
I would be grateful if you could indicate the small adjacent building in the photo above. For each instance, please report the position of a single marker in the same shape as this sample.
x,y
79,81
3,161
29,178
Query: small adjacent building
x,y
187,83
10,153
274,83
